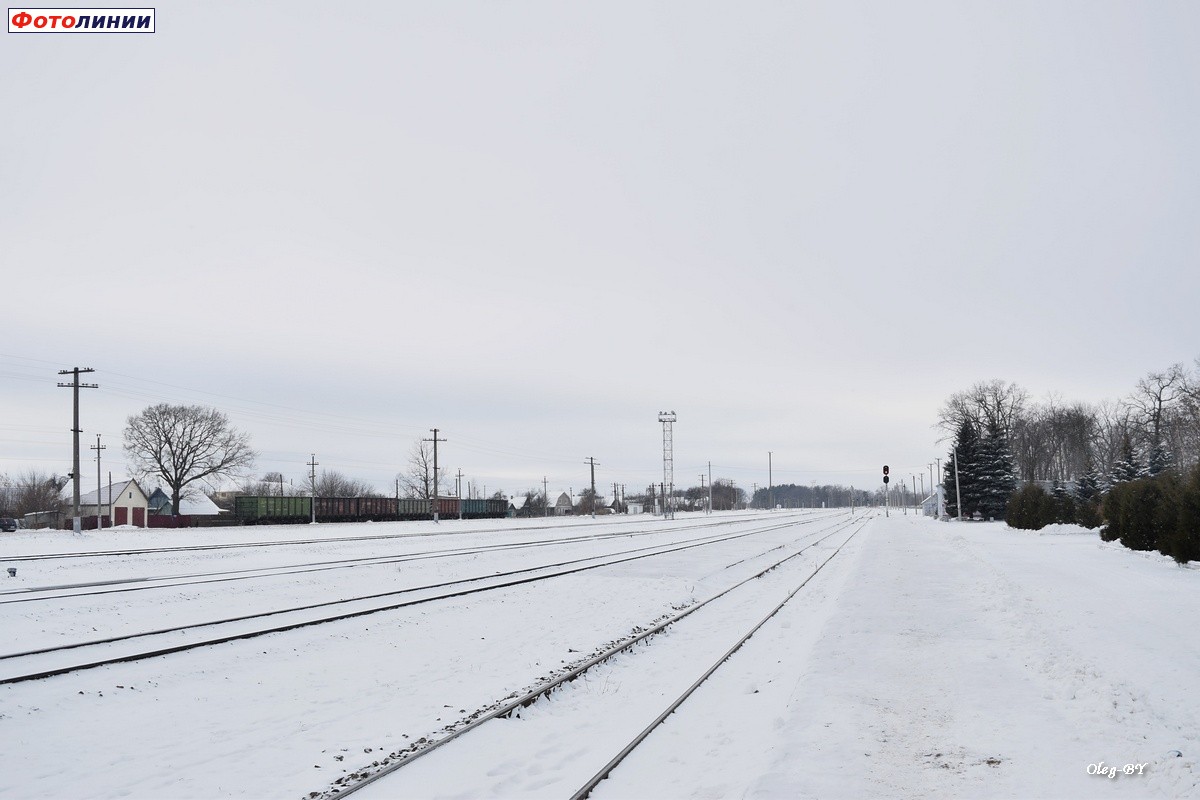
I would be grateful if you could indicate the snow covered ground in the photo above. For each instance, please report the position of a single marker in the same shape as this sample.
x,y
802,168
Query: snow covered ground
x,y
924,660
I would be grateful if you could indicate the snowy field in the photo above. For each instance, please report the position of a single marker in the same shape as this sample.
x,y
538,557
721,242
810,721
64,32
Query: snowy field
x,y
915,659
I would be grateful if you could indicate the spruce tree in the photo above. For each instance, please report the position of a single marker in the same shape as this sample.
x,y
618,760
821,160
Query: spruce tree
x,y
1064,504
1088,489
1127,467
994,474
1158,461
967,443
1087,485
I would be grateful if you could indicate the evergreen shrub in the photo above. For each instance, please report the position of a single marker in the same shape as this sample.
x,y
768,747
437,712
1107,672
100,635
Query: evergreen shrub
x,y
1030,509
1160,513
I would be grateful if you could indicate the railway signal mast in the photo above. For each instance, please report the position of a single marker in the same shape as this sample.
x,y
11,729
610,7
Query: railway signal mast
x,y
885,490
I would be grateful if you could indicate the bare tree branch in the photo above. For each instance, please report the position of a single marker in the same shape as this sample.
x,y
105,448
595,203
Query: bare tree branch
x,y
184,444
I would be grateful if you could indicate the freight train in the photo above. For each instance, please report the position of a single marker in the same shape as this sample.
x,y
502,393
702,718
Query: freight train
x,y
265,510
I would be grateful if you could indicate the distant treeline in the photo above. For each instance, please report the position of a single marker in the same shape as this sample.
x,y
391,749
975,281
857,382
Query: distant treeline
x,y
790,495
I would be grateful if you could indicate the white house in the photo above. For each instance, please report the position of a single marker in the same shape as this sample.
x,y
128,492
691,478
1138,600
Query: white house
x,y
122,502
562,505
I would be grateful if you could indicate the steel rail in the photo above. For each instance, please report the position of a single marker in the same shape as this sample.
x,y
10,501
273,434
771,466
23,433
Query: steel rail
x,y
704,541
360,779
607,769
30,594
332,540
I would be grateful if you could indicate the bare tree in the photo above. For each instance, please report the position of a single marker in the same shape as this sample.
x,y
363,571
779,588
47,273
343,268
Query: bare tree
x,y
1053,442
271,484
335,484
990,404
419,480
183,444
535,504
34,490
1113,426
1185,440
1154,399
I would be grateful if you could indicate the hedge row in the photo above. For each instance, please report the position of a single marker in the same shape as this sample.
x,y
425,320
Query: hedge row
x,y
1160,513
1031,508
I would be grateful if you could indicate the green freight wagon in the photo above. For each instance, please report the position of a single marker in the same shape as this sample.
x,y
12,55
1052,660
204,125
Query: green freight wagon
x,y
267,510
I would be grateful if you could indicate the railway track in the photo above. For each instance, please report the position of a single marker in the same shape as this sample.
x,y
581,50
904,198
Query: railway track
x,y
143,583
83,554
47,662
395,761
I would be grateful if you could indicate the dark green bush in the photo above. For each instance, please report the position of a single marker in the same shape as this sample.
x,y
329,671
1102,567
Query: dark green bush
x,y
1087,514
1183,543
1160,513
1115,512
1031,509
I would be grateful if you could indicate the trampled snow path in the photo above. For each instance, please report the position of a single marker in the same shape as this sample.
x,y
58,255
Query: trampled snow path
x,y
929,660
960,661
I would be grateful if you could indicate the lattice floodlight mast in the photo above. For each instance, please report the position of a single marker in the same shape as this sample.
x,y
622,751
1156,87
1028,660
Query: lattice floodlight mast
x,y
667,418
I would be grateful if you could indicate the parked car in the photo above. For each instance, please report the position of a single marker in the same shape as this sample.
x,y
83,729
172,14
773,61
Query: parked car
x,y
8,524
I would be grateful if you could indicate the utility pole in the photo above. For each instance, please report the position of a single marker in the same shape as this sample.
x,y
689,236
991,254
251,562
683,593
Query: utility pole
x,y
592,462
312,486
957,485
770,483
77,526
709,487
932,485
941,503
99,518
458,491
546,496
667,418
434,501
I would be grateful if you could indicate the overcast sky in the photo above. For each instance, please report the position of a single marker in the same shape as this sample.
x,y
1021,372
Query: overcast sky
x,y
535,225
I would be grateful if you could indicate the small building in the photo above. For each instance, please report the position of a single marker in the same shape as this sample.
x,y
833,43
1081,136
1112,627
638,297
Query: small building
x,y
192,504
562,505
516,505
119,503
